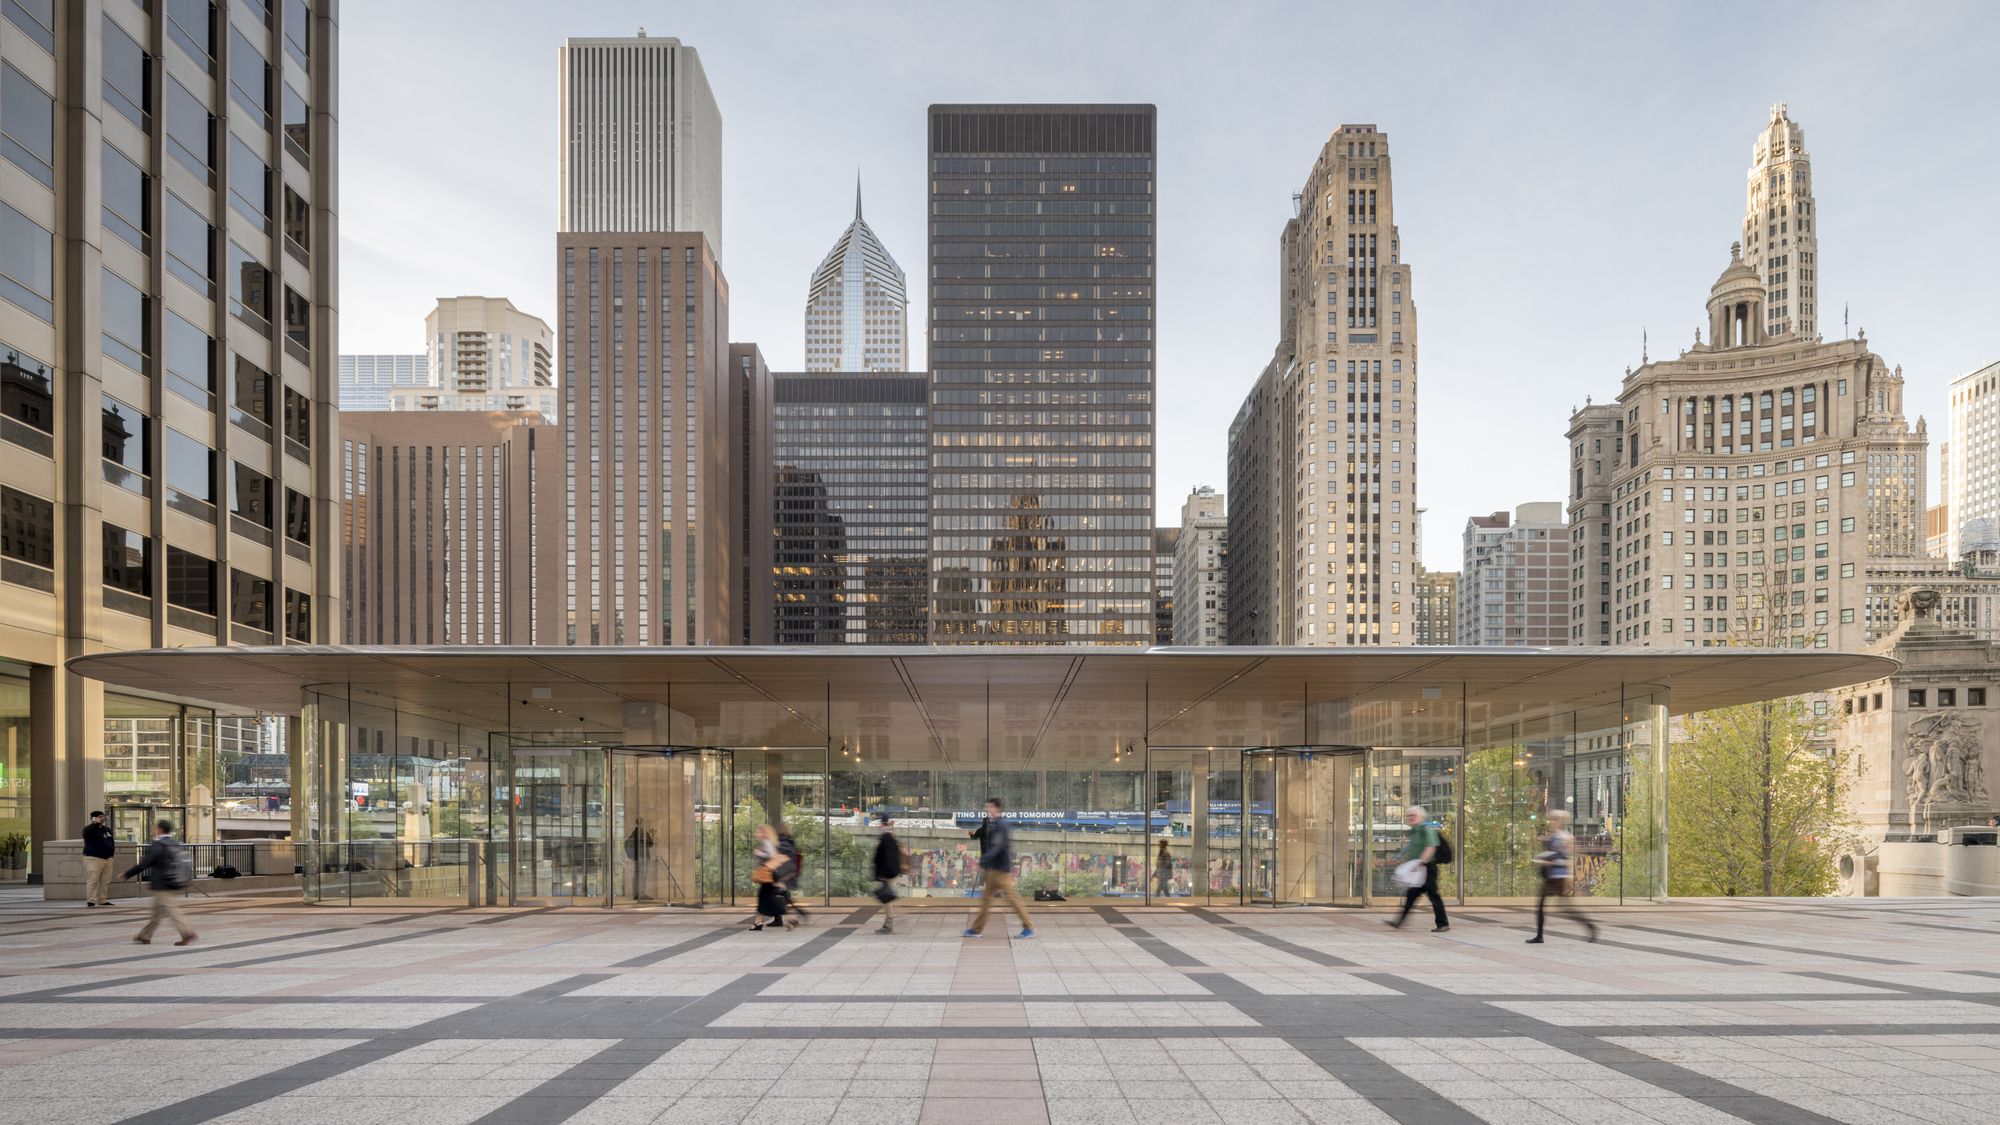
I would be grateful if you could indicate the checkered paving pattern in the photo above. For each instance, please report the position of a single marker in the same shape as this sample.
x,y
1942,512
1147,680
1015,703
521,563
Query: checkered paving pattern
x,y
1785,1012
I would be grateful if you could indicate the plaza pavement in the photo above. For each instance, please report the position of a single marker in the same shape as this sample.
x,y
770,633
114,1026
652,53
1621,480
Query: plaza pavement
x,y
1780,1011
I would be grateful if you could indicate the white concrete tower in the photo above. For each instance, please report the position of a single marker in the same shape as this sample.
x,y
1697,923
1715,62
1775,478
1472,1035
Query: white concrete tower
x,y
641,139
1781,228
857,309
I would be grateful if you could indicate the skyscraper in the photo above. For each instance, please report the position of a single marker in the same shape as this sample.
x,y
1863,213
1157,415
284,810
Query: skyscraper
x,y
1041,350
1515,585
849,511
1201,577
168,283
641,139
1781,228
1328,433
366,381
484,354
1165,541
1742,490
857,310
1971,464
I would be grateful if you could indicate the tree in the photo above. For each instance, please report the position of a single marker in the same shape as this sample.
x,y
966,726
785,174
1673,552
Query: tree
x,y
1756,805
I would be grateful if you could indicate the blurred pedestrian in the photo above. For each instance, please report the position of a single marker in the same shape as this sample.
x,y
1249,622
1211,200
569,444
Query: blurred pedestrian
x,y
168,870
891,860
796,914
639,849
100,847
768,876
996,869
1163,872
1557,861
1422,848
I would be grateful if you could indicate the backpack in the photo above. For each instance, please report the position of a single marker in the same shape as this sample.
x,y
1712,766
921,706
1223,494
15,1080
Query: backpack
x,y
180,865
1443,854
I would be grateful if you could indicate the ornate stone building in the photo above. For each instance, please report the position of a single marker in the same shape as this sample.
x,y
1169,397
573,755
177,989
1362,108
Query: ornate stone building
x,y
1741,488
1781,228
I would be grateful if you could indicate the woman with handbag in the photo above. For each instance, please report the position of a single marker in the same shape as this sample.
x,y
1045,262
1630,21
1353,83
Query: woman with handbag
x,y
768,876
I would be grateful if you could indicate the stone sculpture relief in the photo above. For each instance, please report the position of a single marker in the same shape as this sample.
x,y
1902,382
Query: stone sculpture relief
x,y
1943,765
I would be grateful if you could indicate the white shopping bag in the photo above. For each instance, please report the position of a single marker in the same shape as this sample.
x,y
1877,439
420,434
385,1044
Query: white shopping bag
x,y
1410,873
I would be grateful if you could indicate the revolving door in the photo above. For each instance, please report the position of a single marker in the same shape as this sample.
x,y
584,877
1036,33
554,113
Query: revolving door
x,y
1322,825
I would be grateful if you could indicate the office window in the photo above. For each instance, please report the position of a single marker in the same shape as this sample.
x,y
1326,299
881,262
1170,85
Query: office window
x,y
249,288
297,124
27,534
249,78
1947,697
249,600
190,472
27,395
298,31
298,616
190,581
128,207
1975,697
190,245
298,220
249,185
27,125
1916,697
250,398
127,444
190,362
191,23
128,86
190,131
298,319
27,264
298,516
250,494
127,334
128,561
35,17
298,417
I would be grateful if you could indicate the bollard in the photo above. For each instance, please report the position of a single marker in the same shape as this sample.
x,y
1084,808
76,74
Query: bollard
x,y
473,850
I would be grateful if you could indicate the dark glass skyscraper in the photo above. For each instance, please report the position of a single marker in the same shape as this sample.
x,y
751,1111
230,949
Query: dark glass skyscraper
x,y
849,507
1041,354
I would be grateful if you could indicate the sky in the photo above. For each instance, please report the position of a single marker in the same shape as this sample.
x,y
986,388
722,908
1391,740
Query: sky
x,y
1568,177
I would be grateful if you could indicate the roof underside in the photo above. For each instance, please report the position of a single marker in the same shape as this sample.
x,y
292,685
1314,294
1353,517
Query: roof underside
x,y
1013,704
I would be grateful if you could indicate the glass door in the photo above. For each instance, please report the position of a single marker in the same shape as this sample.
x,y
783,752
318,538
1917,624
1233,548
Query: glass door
x,y
1259,826
559,826
1305,825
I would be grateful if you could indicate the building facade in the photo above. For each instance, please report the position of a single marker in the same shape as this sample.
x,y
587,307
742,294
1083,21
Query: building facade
x,y
1515,585
484,354
1739,491
1165,541
858,306
647,445
1259,565
366,381
1967,589
168,373
446,527
849,507
1201,570
1781,228
1041,349
752,472
1970,462
1437,607
641,139
1336,413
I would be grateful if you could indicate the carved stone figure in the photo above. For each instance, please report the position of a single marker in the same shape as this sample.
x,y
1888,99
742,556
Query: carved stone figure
x,y
1942,765
1921,601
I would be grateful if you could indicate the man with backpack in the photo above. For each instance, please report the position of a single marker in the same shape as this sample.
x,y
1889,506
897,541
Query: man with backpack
x,y
1427,846
996,869
168,869
890,863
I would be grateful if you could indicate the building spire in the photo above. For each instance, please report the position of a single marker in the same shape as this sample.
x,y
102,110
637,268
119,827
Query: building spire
x,y
857,195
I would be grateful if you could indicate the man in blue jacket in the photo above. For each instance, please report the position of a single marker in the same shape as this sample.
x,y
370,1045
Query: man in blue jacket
x,y
996,865
168,871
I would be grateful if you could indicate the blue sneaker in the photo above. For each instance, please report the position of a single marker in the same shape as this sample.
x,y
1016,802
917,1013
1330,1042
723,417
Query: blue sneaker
x,y
1026,933
970,932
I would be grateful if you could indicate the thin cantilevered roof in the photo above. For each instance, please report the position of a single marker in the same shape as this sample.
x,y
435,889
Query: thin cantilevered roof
x,y
959,703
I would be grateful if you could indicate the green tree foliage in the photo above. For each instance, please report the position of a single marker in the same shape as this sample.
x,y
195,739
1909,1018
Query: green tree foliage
x,y
1756,807
1502,816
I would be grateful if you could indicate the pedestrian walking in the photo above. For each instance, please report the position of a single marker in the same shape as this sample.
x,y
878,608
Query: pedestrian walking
x,y
790,848
996,869
100,847
1163,872
1558,863
168,870
890,862
639,849
768,875
1422,847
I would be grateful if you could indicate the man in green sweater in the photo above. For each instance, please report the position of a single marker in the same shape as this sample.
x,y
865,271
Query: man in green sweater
x,y
1422,847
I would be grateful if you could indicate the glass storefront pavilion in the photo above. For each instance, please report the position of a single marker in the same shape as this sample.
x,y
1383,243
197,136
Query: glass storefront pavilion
x,y
605,776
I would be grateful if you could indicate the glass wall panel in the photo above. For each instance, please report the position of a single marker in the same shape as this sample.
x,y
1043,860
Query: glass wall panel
x,y
15,760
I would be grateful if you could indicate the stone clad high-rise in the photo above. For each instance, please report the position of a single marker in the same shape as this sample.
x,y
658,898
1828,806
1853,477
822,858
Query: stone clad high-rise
x,y
641,147
1042,374
1781,227
857,308
169,241
1323,454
